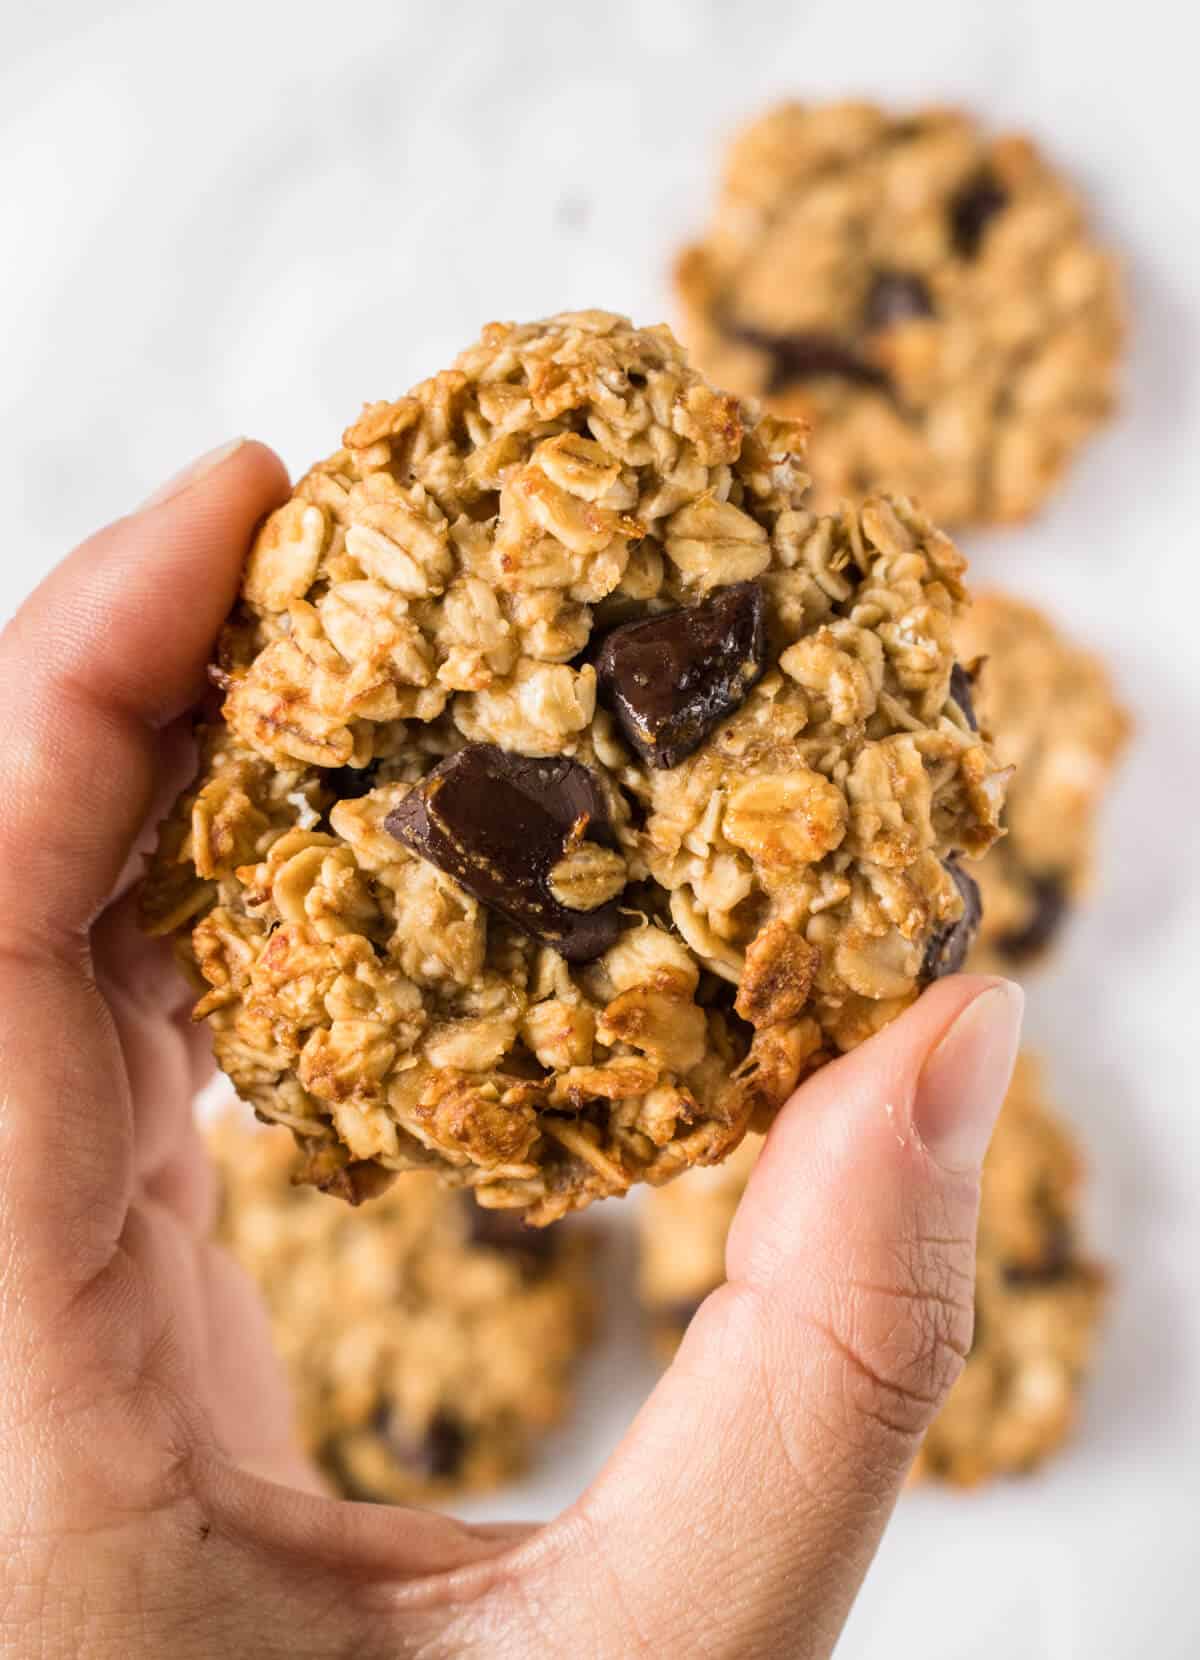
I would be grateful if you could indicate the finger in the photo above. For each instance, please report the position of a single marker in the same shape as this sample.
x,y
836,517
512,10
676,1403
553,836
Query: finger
x,y
110,648
766,1463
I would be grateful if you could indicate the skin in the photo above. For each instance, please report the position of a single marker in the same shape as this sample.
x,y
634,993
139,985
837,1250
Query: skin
x,y
151,1500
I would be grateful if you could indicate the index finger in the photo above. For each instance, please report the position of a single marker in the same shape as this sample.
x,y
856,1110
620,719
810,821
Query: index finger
x,y
111,646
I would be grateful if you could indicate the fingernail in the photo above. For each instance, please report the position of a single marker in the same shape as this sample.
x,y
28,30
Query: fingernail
x,y
192,472
963,1082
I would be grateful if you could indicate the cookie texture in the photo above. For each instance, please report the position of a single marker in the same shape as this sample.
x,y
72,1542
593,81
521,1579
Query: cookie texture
x,y
1038,1299
928,294
430,1344
1054,716
575,789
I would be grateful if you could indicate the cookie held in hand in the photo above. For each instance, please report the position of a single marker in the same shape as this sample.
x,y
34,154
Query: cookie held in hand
x,y
576,789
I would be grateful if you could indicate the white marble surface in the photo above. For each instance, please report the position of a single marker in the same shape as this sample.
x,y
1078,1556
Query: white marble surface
x,y
245,217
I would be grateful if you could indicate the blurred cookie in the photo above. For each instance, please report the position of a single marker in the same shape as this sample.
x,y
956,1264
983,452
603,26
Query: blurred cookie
x,y
1037,1304
1053,714
429,1343
929,295
681,1242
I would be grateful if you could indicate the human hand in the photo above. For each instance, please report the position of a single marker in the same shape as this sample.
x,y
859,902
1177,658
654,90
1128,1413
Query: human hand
x,y
151,1500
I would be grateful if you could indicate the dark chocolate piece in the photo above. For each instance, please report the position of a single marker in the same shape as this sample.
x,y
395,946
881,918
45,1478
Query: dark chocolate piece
x,y
808,354
499,823
896,297
437,1455
672,678
947,949
960,691
1051,907
972,210
1055,1263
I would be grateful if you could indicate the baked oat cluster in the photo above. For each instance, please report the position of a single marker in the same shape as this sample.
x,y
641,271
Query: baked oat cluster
x,y
1038,1297
1052,711
931,296
576,789
430,1344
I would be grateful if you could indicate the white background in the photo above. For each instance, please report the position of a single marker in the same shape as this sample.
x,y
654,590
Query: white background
x,y
243,218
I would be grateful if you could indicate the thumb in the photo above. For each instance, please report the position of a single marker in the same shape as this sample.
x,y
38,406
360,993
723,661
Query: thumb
x,y
767,1462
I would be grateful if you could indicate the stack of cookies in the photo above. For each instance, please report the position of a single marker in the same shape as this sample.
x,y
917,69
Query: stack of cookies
x,y
606,742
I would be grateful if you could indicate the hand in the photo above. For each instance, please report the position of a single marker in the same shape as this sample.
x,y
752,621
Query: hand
x,y
151,1502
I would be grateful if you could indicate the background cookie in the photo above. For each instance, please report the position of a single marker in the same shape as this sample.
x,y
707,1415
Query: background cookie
x,y
1038,1302
1038,1299
929,295
681,1243
1052,712
577,790
429,1343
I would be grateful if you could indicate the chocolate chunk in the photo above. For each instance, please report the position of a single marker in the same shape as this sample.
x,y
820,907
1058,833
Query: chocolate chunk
x,y
672,678
807,355
973,208
1051,907
947,950
503,1230
435,1455
896,297
810,354
1054,1264
499,823
960,691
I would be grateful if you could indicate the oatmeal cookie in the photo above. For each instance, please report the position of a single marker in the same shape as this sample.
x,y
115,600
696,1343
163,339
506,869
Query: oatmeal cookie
x,y
931,296
1038,1303
1053,714
1038,1297
576,790
429,1343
